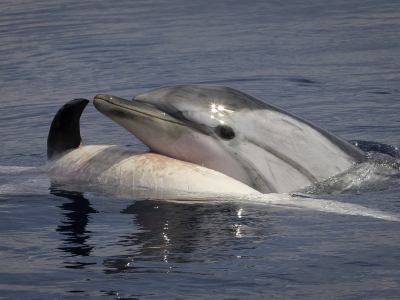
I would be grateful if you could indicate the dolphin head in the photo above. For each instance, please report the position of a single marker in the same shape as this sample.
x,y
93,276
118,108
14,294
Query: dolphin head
x,y
234,133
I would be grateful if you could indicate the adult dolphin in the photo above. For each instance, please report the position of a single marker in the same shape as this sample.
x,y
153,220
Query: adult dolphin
x,y
123,166
257,143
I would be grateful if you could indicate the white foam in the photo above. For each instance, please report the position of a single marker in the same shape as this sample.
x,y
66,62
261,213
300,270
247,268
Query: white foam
x,y
323,205
13,170
22,180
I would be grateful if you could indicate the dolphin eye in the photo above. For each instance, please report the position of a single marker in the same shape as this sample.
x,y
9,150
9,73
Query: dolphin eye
x,y
225,132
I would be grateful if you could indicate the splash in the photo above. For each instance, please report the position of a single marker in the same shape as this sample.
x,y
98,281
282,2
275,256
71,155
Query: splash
x,y
380,171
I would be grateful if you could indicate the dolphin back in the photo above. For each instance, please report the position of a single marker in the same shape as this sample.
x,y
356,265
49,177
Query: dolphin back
x,y
64,131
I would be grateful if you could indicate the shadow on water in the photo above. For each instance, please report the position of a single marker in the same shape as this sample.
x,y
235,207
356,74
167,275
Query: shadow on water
x,y
76,212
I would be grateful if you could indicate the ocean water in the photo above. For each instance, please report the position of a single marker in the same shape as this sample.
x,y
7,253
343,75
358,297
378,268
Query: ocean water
x,y
335,63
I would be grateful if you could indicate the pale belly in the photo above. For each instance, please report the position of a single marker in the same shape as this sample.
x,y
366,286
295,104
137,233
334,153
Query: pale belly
x,y
126,167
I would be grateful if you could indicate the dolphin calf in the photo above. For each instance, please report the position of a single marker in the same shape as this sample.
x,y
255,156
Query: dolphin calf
x,y
259,144
124,166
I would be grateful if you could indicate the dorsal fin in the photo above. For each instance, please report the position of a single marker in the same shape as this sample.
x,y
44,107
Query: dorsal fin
x,y
64,131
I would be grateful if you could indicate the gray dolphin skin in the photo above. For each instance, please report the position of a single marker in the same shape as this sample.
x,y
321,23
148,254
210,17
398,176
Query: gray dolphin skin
x,y
248,139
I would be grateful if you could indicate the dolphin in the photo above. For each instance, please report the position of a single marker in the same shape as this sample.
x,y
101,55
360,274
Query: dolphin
x,y
257,143
123,166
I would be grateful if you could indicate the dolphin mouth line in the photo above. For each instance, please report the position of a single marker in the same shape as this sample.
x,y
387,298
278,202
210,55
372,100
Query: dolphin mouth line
x,y
138,107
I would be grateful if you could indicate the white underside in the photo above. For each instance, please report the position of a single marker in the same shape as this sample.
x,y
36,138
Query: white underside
x,y
126,167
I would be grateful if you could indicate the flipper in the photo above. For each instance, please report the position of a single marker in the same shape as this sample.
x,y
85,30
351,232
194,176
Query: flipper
x,y
64,131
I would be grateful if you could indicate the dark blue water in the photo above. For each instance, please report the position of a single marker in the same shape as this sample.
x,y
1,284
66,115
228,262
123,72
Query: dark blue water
x,y
335,63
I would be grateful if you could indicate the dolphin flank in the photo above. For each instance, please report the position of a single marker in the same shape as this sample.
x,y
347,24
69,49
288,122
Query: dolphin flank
x,y
226,130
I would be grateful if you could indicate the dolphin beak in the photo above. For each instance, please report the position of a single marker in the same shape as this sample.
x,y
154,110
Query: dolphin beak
x,y
111,105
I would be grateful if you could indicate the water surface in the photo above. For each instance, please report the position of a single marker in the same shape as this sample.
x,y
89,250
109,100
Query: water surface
x,y
335,63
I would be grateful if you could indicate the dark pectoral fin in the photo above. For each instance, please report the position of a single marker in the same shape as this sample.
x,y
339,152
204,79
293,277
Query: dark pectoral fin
x,y
64,131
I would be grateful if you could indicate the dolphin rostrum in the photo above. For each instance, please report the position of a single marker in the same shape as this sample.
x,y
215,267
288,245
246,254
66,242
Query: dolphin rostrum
x,y
220,128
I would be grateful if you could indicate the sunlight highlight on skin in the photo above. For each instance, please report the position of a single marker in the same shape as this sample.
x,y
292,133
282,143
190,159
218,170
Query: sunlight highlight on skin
x,y
218,111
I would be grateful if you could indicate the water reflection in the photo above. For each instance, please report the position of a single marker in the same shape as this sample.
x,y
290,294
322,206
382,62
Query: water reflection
x,y
76,213
161,236
175,233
